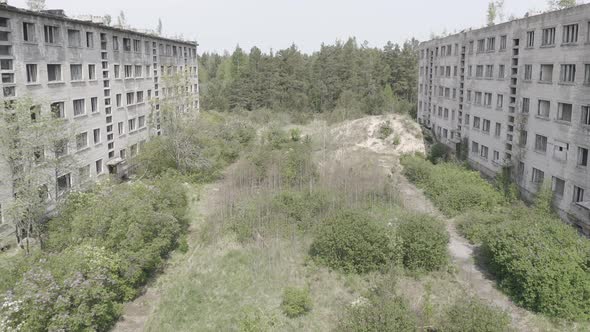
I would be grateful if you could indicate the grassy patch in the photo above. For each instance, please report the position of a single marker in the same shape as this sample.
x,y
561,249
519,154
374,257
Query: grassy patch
x,y
452,188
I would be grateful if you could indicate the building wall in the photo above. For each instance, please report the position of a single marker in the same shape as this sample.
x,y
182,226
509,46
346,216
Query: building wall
x,y
147,55
567,133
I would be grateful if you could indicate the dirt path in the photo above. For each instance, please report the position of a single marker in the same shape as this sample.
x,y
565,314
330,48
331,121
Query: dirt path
x,y
136,313
468,274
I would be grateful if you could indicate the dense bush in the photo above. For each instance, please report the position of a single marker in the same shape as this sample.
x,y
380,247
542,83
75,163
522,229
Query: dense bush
x,y
139,221
472,315
543,264
451,187
425,242
286,156
354,242
416,169
476,225
101,247
296,302
200,148
281,214
379,314
301,208
439,152
80,289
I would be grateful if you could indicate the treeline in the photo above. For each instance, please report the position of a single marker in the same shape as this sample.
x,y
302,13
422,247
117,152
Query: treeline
x,y
343,75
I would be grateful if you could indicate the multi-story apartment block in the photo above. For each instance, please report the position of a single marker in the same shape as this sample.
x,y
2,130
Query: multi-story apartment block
x,y
517,96
106,80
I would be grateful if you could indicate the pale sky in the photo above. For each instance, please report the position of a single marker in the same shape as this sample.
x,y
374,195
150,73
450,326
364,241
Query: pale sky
x,y
220,25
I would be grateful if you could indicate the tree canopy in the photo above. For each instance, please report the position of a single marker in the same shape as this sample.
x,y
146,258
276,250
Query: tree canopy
x,y
343,74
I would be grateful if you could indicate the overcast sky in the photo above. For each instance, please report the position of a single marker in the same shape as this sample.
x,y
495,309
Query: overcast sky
x,y
222,24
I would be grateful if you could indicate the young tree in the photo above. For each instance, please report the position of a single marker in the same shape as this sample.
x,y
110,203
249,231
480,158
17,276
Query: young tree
x,y
561,4
491,16
36,5
121,20
177,119
107,19
500,10
27,136
159,28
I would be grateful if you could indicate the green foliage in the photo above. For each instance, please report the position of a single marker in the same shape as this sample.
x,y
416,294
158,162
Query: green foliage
x,y
183,245
385,130
256,320
301,207
416,169
543,264
397,140
276,138
439,152
451,187
425,242
291,158
346,76
472,315
544,200
296,302
475,225
506,186
101,247
295,134
139,221
354,242
284,212
382,311
77,290
200,147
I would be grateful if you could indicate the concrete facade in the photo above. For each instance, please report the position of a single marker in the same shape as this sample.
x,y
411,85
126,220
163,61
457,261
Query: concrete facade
x,y
517,96
106,80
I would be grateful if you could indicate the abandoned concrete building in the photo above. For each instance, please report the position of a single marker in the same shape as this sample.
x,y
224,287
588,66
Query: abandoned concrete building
x,y
516,96
105,79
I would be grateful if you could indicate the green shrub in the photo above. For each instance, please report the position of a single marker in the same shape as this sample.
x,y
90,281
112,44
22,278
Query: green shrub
x,y
138,221
183,245
296,302
416,169
397,140
476,225
383,313
354,242
295,134
425,242
385,130
452,188
200,148
292,159
472,315
439,152
543,264
297,168
77,290
256,320
276,138
301,208
280,214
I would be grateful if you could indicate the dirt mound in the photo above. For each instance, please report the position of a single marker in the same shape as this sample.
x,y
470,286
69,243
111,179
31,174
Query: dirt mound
x,y
384,134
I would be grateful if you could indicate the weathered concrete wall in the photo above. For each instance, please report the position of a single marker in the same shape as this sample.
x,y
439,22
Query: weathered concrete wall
x,y
104,86
513,88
